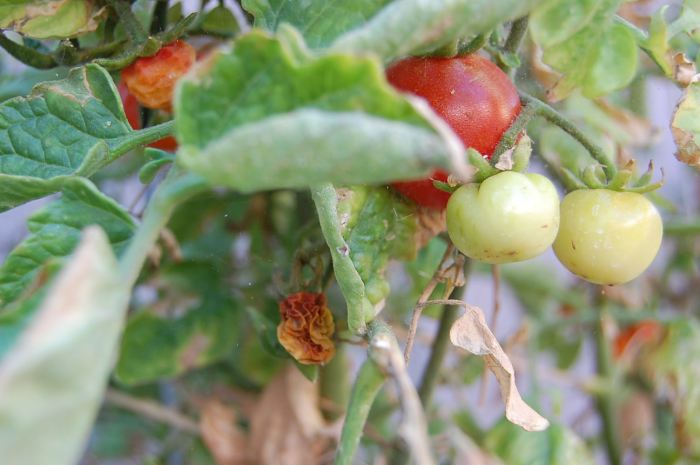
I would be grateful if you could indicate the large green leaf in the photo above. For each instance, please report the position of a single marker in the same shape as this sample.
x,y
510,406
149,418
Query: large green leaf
x,y
409,27
580,40
194,323
56,230
64,128
555,446
51,19
320,21
377,226
334,118
52,379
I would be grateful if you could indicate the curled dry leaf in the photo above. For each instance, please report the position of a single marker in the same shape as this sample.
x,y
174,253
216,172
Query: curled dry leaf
x,y
470,332
430,223
287,427
685,126
226,442
684,72
307,327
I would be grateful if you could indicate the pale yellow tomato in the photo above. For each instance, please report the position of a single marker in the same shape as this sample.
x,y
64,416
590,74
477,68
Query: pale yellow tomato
x,y
507,218
607,237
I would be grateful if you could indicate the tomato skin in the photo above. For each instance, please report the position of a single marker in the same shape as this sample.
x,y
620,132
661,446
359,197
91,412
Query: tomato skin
x,y
509,217
471,94
424,192
131,110
152,79
607,237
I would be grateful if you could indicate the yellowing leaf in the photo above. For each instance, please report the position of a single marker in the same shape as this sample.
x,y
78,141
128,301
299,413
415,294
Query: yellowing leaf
x,y
52,19
471,333
685,126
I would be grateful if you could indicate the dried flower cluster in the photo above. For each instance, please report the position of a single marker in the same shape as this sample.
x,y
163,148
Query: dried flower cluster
x,y
307,327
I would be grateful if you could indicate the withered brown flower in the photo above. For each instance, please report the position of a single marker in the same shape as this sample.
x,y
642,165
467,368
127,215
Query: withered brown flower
x,y
306,328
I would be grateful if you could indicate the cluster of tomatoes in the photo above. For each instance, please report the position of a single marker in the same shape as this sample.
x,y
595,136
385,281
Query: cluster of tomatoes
x,y
603,236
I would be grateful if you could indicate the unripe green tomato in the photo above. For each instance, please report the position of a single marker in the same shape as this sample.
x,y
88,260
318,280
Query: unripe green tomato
x,y
607,237
509,217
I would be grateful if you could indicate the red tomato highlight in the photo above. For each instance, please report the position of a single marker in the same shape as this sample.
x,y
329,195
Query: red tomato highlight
x,y
471,94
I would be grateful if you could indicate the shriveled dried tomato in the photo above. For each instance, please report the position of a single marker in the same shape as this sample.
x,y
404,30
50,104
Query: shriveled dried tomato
x,y
307,327
152,79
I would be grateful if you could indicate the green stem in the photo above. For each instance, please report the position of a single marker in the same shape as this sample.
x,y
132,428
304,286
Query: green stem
x,y
511,135
686,228
606,401
334,384
144,136
514,40
441,343
129,21
556,118
26,55
176,188
367,385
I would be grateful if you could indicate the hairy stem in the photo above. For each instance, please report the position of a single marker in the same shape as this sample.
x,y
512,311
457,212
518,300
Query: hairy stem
x,y
129,21
511,135
556,118
367,385
176,188
26,55
515,38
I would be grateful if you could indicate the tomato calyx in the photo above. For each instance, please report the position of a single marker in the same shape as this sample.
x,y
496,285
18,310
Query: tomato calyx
x,y
625,180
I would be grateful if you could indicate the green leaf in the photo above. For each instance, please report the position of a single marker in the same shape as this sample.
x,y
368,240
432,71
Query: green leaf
x,y
411,27
688,21
377,225
193,324
320,21
51,19
335,119
56,230
555,446
220,20
580,40
52,380
71,127
685,126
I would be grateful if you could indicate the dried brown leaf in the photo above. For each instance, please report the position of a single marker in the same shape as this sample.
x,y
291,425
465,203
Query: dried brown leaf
x,y
226,442
287,427
684,71
470,332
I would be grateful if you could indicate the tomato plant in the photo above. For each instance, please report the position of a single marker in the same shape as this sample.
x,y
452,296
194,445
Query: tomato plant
x,y
474,97
270,273
607,237
509,217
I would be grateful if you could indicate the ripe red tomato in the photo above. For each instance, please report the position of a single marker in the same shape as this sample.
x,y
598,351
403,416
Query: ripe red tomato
x,y
471,94
131,110
152,79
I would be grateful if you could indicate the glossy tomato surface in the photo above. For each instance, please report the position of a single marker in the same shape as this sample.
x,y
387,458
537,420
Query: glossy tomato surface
x,y
132,111
509,217
607,237
471,94
152,79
